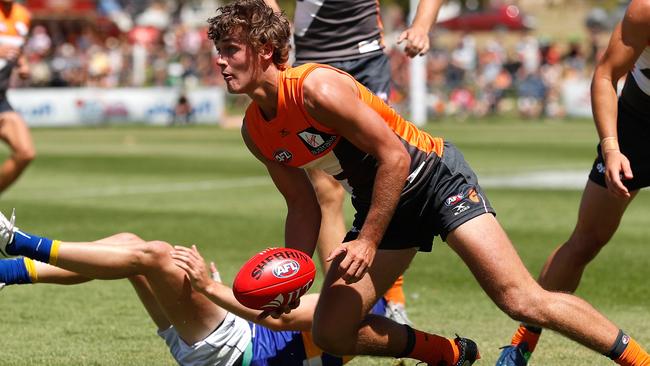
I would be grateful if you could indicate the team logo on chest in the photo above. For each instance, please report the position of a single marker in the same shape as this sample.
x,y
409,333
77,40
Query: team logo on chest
x,y
316,141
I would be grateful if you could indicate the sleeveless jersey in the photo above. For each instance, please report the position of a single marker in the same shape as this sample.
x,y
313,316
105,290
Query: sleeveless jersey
x,y
14,28
296,139
337,30
641,71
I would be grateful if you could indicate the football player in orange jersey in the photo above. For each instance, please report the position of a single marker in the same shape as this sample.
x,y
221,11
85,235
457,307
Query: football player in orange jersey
x,y
407,187
620,170
322,35
14,29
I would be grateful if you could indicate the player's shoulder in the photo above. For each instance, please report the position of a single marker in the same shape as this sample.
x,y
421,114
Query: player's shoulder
x,y
322,80
638,11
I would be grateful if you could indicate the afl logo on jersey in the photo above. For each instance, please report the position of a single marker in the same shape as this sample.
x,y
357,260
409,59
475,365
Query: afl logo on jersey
x,y
282,156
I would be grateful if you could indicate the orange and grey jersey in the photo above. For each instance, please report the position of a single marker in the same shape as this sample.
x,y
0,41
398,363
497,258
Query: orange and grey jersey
x,y
337,30
296,139
14,28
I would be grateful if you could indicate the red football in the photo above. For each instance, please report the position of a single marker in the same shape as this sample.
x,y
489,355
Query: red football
x,y
273,278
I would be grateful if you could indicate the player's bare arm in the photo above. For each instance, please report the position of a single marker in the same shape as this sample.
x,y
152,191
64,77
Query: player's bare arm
x,y
324,93
627,42
417,35
191,261
273,4
303,212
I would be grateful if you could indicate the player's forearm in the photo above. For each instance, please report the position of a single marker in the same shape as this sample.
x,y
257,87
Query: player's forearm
x,y
389,182
302,226
223,296
426,14
604,102
298,319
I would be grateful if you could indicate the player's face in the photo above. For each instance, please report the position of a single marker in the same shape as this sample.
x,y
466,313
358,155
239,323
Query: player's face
x,y
235,59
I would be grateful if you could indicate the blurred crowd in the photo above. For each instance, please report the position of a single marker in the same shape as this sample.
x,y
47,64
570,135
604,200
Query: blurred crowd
x,y
164,43
468,79
160,44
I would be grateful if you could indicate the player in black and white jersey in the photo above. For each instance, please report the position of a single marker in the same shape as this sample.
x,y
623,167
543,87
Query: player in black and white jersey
x,y
621,168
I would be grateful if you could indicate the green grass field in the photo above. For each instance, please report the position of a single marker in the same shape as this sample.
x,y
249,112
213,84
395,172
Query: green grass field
x,y
199,185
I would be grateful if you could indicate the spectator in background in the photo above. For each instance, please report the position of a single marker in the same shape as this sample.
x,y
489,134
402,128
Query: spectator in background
x,y
182,110
531,95
16,20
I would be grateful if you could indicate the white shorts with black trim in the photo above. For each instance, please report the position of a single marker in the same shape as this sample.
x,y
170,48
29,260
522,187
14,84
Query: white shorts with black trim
x,y
223,347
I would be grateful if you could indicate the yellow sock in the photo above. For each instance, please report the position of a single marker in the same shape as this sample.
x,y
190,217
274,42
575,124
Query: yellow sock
x,y
31,269
54,252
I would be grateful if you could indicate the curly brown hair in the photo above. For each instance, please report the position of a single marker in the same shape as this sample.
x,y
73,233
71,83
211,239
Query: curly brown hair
x,y
259,24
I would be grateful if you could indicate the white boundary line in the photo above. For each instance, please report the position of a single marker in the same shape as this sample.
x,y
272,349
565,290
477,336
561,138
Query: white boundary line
x,y
552,179
125,190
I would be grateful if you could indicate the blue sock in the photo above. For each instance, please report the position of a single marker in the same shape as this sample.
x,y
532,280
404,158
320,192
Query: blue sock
x,y
31,246
14,271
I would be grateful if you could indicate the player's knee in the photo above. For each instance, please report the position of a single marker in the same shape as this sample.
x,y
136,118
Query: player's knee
x,y
329,336
521,303
154,254
24,156
331,195
331,341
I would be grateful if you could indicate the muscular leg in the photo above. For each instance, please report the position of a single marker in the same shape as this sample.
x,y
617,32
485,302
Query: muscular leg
x,y
487,251
192,314
599,216
55,275
14,131
330,195
341,323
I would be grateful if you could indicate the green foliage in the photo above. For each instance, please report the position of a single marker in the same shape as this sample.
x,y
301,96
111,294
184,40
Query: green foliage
x,y
199,185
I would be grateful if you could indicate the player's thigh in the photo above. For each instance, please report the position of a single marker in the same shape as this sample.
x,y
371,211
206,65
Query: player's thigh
x,y
14,131
486,250
346,305
600,214
120,239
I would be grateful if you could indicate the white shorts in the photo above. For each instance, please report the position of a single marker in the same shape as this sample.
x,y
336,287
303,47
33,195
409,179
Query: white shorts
x,y
223,347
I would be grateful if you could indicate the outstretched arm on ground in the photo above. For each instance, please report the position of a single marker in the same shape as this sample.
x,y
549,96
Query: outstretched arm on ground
x,y
191,261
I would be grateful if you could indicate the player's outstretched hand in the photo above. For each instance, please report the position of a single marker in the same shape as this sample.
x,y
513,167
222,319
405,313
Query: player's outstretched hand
x,y
277,312
358,256
617,169
417,41
191,261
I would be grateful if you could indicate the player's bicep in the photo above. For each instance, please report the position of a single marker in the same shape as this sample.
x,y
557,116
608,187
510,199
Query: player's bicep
x,y
354,119
628,40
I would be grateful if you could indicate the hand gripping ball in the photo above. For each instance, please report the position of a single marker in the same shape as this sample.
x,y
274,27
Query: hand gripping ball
x,y
274,278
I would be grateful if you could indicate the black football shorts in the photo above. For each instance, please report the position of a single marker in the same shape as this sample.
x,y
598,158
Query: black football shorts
x,y
633,128
451,198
